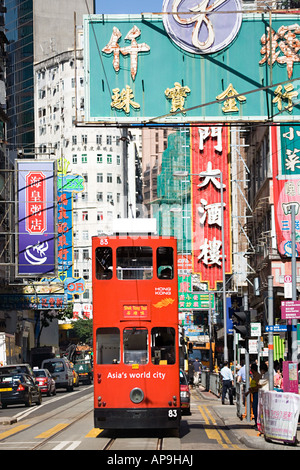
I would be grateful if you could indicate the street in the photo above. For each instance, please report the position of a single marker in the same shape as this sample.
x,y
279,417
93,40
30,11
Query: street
x,y
65,422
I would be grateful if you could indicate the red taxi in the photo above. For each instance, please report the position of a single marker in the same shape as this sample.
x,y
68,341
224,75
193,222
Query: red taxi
x,y
184,393
45,381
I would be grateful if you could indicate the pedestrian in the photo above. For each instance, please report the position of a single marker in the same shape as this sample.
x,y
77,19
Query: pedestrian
x,y
227,381
264,381
254,387
191,373
197,370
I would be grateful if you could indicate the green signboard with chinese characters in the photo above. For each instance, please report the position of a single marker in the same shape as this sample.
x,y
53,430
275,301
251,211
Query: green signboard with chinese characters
x,y
150,69
195,301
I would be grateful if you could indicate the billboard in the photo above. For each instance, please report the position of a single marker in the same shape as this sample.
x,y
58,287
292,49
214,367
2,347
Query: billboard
x,y
210,196
216,64
36,252
286,185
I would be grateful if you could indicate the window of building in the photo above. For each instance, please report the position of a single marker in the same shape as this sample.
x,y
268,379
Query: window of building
x,y
109,159
99,177
99,158
99,139
99,216
109,178
85,254
84,158
85,216
99,196
86,274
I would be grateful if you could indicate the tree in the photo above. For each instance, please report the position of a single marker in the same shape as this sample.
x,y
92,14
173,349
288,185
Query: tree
x,y
83,329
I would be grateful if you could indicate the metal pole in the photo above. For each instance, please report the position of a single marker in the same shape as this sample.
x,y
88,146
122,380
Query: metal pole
x,y
247,366
270,337
210,330
294,343
223,271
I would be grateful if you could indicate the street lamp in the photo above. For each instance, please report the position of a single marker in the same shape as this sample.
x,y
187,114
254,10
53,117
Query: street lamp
x,y
219,174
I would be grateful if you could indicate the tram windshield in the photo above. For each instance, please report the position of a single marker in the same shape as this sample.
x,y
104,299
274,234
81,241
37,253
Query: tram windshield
x,y
135,342
134,262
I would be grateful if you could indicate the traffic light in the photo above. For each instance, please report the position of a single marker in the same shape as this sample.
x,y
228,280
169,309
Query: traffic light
x,y
241,323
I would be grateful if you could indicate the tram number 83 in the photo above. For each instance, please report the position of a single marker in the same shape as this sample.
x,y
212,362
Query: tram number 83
x,y
172,414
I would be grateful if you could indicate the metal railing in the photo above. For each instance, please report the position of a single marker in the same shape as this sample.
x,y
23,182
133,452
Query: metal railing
x,y
211,382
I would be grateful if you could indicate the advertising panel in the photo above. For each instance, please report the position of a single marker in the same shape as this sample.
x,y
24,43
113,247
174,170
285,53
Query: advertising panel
x,y
219,64
35,218
210,184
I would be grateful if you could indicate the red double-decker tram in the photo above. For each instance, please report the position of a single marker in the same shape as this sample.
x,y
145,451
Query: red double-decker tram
x,y
135,318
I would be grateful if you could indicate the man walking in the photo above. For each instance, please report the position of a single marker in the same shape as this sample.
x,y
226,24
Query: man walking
x,y
227,379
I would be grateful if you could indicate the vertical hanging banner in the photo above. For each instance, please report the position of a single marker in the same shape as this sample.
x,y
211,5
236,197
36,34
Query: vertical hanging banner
x,y
286,185
35,218
210,169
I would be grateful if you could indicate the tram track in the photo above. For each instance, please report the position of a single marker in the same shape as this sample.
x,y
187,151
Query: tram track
x,y
158,445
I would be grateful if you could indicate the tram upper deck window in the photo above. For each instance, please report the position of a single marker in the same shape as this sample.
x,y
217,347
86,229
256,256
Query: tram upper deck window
x,y
108,345
135,342
104,262
134,262
165,262
163,345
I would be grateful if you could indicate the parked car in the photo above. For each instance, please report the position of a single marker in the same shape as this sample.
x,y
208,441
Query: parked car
x,y
17,369
185,398
19,388
61,370
84,370
45,381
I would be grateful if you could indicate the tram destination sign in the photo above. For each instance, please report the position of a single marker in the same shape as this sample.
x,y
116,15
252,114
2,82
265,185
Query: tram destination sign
x,y
175,67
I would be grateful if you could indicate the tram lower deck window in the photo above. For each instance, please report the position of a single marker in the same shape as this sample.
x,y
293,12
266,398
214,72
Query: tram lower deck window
x,y
108,345
135,343
163,345
134,262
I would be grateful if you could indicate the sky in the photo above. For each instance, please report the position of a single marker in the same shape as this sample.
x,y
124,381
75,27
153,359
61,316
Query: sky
x,y
128,6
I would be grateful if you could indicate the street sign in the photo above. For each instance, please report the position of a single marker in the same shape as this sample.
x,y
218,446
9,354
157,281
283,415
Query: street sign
x,y
280,328
290,309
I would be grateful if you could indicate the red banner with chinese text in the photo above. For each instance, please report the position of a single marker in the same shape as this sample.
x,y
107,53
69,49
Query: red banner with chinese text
x,y
210,166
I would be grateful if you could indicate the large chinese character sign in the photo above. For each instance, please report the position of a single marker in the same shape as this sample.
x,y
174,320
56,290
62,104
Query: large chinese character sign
x,y
36,203
198,60
211,197
286,185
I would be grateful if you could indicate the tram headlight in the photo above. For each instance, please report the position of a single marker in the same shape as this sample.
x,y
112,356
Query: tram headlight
x,y
136,395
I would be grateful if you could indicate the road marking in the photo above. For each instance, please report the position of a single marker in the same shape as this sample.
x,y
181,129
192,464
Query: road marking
x,y
71,445
213,433
5,434
52,431
94,432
